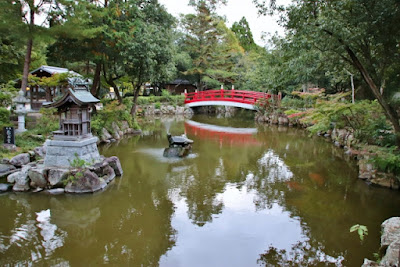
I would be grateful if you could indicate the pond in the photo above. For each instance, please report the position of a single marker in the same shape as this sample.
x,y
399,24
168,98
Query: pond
x,y
247,195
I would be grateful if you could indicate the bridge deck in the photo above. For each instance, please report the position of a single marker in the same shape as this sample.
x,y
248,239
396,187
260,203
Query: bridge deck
x,y
236,98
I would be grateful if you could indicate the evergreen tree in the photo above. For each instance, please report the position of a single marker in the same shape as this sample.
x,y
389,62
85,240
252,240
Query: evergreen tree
x,y
244,34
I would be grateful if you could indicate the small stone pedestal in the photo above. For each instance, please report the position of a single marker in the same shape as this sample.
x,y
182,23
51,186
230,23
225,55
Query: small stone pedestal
x,y
61,153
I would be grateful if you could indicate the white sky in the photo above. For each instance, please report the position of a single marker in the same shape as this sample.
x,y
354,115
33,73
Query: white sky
x,y
234,11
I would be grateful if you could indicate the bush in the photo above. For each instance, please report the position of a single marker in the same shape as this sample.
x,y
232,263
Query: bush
x,y
387,159
48,122
157,105
110,113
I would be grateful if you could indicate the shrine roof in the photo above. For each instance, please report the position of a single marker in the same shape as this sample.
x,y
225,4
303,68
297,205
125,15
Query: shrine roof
x,y
78,96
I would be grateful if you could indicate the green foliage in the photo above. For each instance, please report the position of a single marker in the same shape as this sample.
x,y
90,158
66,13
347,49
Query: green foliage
x,y
111,112
80,165
364,118
4,117
157,105
213,47
172,99
48,122
387,159
362,230
243,32
292,102
7,92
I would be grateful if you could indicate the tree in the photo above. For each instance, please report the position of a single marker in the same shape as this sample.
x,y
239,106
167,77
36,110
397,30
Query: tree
x,y
213,47
243,33
143,37
364,34
18,17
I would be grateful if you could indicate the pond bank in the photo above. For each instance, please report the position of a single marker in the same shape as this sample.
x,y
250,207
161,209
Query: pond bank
x,y
345,139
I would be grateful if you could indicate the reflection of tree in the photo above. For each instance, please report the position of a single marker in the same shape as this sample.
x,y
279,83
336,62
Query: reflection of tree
x,y
301,254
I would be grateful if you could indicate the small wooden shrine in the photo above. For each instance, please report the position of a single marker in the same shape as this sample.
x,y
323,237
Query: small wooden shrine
x,y
74,110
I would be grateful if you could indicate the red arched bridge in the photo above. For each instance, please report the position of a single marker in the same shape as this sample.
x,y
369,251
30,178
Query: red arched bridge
x,y
234,98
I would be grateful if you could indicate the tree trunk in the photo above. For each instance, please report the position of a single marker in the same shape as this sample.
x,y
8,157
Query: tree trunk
x,y
96,80
135,96
28,55
27,62
390,112
116,90
48,94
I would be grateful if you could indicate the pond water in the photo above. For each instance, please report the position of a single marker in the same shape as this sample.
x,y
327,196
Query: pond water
x,y
247,195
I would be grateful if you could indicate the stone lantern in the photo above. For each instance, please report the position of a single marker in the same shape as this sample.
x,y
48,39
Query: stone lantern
x,y
21,111
73,138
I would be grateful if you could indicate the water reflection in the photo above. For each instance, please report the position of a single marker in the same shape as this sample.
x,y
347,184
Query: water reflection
x,y
280,199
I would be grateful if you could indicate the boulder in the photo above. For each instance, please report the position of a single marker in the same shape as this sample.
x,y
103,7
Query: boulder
x,y
391,257
5,187
55,191
108,174
369,263
365,169
38,177
88,183
385,180
21,179
6,169
116,130
115,164
180,110
105,135
20,160
283,120
56,176
125,126
390,231
40,151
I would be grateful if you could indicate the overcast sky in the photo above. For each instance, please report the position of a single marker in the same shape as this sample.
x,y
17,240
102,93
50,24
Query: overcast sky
x,y
234,11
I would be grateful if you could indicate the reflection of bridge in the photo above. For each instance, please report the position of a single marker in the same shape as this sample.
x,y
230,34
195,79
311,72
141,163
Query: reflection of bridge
x,y
221,134
234,98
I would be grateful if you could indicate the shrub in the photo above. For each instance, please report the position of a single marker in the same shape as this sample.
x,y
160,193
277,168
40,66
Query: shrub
x,y
112,112
157,105
48,122
387,159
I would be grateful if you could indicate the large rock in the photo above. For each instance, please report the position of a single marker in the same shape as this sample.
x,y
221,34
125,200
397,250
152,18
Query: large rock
x,y
108,174
174,152
88,183
392,255
6,169
20,160
40,151
105,135
116,130
56,176
385,180
180,110
20,179
115,164
390,231
38,177
5,187
125,127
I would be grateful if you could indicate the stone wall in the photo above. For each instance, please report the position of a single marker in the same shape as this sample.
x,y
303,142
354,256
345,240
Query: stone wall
x,y
150,110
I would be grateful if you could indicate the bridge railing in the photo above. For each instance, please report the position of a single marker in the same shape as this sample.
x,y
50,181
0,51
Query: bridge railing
x,y
240,96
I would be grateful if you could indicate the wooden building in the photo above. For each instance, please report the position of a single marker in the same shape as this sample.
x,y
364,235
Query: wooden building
x,y
39,94
178,87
